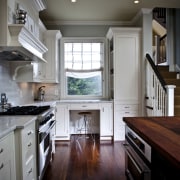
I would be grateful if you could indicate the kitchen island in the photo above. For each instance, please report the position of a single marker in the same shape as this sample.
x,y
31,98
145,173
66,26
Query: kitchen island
x,y
163,135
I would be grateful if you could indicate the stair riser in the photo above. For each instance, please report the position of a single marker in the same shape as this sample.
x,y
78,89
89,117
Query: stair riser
x,y
168,75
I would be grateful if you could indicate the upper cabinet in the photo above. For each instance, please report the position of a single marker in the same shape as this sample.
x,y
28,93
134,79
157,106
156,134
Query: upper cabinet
x,y
51,68
124,55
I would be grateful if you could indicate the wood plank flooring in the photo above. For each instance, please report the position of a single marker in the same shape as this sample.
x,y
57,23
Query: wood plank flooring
x,y
86,159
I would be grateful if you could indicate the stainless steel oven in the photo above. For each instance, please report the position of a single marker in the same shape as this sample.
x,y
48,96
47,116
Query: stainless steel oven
x,y
137,156
45,125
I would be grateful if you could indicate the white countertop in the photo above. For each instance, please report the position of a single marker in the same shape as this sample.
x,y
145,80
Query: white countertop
x,y
84,101
10,123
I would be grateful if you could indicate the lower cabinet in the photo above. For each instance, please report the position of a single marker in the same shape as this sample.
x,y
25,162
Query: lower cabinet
x,y
106,121
25,145
62,122
120,111
7,158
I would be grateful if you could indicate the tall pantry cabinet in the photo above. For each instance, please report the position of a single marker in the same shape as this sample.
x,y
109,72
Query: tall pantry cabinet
x,y
125,87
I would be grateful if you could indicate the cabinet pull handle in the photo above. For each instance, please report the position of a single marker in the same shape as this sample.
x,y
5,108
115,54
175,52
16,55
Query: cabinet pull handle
x,y
126,107
84,106
2,165
1,150
30,171
126,112
29,144
29,133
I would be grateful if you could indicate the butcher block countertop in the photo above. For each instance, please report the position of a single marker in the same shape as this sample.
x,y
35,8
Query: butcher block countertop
x,y
161,133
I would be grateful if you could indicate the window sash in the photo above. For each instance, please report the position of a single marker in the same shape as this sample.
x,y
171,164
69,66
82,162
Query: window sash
x,y
83,58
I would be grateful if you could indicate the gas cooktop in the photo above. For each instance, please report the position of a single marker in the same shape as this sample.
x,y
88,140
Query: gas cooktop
x,y
25,110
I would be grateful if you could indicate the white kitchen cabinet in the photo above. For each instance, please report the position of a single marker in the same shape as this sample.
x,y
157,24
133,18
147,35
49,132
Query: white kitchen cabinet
x,y
106,120
84,106
7,158
62,122
124,45
26,153
51,68
120,111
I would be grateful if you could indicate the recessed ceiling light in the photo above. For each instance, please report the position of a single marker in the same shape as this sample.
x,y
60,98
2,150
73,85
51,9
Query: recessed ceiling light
x,y
136,1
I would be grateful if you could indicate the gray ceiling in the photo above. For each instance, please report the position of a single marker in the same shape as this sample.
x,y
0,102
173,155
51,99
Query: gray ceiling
x,y
63,11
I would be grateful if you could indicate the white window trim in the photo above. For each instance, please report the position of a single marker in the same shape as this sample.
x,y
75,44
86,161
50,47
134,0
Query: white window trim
x,y
63,86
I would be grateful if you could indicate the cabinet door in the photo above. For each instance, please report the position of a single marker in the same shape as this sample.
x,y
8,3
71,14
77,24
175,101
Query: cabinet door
x,y
106,120
51,68
62,121
126,67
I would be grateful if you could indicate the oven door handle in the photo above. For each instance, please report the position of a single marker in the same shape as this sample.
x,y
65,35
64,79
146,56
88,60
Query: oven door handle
x,y
139,164
132,159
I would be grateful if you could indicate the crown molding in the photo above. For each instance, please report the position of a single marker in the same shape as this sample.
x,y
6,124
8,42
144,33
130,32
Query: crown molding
x,y
100,23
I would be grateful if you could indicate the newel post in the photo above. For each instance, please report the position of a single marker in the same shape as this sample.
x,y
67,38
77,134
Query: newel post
x,y
170,99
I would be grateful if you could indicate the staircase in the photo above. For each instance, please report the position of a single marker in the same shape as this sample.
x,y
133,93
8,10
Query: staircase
x,y
170,79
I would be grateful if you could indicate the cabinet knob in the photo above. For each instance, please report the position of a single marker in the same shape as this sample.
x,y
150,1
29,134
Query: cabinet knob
x,y
29,133
2,165
30,171
29,144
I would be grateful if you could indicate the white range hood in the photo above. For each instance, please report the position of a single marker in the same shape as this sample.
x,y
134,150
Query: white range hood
x,y
22,45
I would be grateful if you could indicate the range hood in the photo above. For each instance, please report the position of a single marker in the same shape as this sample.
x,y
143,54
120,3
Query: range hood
x,y
22,45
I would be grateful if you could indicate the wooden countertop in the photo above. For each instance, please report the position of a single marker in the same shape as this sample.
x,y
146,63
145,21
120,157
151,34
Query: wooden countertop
x,y
161,133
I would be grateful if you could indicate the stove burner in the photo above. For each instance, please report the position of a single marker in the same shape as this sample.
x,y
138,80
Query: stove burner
x,y
25,110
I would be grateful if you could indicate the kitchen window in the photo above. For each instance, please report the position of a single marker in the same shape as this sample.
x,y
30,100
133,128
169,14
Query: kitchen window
x,y
83,67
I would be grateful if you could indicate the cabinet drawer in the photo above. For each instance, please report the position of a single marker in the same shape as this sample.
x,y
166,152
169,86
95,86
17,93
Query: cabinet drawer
x,y
5,144
128,113
127,107
85,106
28,151
29,173
28,134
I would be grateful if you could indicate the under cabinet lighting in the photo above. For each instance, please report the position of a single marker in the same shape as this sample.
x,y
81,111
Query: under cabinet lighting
x,y
136,1
73,1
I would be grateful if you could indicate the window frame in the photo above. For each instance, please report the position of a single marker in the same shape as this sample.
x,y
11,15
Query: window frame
x,y
63,84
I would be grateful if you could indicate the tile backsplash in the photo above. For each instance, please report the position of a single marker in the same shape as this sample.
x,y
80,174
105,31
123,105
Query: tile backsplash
x,y
23,93
17,93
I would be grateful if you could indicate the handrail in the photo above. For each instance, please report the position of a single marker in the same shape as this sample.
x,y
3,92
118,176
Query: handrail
x,y
161,80
163,37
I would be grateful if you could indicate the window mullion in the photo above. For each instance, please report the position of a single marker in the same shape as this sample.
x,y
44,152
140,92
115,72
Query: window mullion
x,y
91,56
82,63
72,55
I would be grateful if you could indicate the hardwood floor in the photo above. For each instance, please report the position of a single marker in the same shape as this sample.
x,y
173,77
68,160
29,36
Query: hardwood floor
x,y
85,159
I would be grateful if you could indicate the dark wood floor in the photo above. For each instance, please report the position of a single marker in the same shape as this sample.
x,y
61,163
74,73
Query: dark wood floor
x,y
85,159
